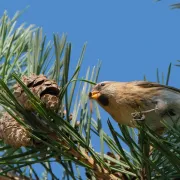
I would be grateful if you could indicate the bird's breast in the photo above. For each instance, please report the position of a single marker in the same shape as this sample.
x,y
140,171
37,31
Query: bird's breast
x,y
121,110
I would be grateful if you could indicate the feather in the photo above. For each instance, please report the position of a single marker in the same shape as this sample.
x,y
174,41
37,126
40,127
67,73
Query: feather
x,y
146,84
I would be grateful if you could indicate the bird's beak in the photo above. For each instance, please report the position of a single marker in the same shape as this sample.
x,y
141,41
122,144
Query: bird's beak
x,y
94,95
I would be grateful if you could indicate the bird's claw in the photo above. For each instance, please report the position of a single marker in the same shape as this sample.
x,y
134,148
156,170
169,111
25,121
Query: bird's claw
x,y
138,116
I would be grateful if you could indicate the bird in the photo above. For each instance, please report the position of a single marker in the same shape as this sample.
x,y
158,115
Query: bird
x,y
129,102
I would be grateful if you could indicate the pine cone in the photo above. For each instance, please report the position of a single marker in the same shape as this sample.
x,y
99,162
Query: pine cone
x,y
47,90
13,133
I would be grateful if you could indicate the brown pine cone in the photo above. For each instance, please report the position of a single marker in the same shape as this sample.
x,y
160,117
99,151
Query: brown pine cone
x,y
13,133
47,90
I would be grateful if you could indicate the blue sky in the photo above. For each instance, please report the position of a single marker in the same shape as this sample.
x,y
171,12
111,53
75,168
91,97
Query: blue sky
x,y
131,38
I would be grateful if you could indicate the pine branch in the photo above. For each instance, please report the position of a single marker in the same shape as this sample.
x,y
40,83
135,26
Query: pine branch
x,y
57,135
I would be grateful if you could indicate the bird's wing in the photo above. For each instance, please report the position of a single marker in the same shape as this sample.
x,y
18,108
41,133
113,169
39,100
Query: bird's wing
x,y
146,84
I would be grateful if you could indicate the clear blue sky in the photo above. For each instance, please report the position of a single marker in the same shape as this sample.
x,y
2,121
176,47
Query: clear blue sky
x,y
132,38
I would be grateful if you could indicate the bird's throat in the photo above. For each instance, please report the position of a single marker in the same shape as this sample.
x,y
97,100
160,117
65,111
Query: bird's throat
x,y
103,100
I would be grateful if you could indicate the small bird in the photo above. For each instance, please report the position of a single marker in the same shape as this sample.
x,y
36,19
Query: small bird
x,y
128,102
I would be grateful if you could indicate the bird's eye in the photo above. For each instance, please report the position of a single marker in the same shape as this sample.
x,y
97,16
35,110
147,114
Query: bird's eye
x,y
102,84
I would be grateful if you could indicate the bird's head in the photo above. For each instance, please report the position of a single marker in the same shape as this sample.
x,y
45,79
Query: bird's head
x,y
109,95
103,92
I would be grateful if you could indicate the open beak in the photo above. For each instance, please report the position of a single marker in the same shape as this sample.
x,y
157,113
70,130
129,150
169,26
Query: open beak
x,y
94,95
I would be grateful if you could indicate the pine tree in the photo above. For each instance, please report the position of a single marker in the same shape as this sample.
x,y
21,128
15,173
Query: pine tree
x,y
46,120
